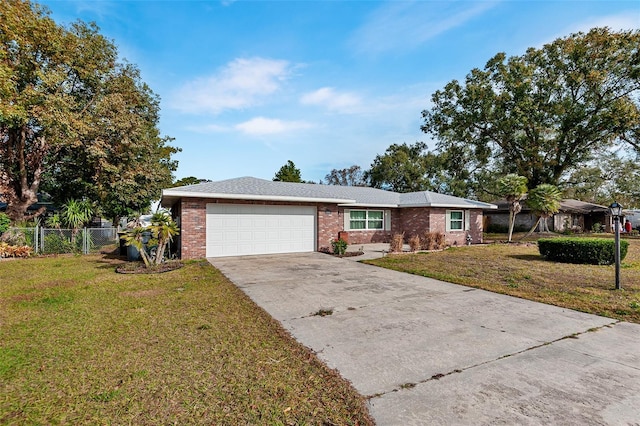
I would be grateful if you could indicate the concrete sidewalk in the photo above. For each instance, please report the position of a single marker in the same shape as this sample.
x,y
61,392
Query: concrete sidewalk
x,y
430,352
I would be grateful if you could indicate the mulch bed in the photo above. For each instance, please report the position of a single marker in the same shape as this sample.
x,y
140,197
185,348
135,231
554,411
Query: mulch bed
x,y
139,268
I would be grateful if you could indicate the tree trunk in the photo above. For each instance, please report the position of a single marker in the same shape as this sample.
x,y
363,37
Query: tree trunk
x,y
23,153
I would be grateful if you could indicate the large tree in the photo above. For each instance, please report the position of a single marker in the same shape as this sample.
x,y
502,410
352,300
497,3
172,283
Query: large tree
x,y
351,176
545,113
73,120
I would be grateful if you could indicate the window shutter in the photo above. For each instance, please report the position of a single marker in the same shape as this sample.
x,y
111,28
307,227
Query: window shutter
x,y
387,220
347,219
467,220
447,221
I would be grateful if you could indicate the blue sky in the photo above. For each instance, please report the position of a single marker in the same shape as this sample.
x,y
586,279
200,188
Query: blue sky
x,y
247,85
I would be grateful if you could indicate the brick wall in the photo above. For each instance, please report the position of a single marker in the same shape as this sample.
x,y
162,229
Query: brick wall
x,y
193,222
330,221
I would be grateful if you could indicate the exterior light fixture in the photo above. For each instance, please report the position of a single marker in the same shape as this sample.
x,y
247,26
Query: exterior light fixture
x,y
615,210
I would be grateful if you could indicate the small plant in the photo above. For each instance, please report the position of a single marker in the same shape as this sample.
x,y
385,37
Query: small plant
x,y
339,246
4,223
396,243
7,250
414,243
597,228
58,244
323,312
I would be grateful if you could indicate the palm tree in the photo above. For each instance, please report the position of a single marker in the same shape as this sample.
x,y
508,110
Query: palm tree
x,y
544,200
74,214
136,237
513,188
163,229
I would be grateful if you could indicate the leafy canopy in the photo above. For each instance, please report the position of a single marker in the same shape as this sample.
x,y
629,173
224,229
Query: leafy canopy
x,y
544,114
73,121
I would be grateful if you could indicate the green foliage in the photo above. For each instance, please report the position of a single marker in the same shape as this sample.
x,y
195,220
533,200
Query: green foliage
x,y
55,243
592,251
351,176
74,118
610,176
189,180
513,188
288,173
597,227
402,168
152,241
544,200
4,222
339,246
543,114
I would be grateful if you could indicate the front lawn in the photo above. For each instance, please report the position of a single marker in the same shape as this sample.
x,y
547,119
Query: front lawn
x,y
80,344
519,270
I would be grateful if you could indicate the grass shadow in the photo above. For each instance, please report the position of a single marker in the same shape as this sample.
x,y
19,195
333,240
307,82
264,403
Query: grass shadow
x,y
528,257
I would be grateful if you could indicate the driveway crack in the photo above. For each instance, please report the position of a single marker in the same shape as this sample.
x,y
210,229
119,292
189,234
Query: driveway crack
x,y
410,385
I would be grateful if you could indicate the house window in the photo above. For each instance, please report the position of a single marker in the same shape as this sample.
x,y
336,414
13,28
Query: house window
x,y
456,220
366,219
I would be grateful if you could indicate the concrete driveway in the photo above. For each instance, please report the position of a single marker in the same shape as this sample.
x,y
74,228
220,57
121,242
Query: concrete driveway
x,y
429,352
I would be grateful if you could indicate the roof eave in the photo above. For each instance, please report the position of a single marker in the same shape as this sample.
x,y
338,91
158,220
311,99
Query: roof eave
x,y
451,205
175,195
373,205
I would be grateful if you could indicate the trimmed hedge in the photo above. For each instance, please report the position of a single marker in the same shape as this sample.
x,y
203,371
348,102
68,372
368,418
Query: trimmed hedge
x,y
592,251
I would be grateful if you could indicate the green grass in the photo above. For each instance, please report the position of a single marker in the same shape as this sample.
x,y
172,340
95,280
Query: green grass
x,y
519,270
80,344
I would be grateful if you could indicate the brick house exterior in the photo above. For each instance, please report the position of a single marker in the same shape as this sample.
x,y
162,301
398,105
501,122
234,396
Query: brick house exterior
x,y
394,213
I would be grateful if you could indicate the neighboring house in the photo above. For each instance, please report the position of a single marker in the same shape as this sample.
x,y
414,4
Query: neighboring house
x,y
247,216
574,215
44,200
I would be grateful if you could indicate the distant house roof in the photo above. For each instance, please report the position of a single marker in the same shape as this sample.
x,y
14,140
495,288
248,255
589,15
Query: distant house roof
x,y
250,188
567,206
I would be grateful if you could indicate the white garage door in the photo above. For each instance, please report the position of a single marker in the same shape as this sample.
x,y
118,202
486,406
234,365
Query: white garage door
x,y
243,229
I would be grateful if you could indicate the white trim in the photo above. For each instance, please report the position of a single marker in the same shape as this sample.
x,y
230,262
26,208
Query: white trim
x,y
347,219
366,206
467,220
179,194
448,221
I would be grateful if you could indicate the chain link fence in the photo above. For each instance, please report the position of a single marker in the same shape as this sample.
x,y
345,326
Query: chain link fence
x,y
56,241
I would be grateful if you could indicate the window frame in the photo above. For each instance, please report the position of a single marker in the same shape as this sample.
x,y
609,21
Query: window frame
x,y
382,219
464,220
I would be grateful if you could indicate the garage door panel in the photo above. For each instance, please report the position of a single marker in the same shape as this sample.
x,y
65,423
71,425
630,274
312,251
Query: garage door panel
x,y
233,230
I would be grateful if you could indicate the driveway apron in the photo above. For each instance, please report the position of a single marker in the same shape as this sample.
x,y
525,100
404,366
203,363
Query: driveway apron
x,y
430,352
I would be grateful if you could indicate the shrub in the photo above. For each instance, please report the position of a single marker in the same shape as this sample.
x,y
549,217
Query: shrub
x,y
58,244
339,246
597,227
4,223
414,243
397,240
593,251
7,250
432,241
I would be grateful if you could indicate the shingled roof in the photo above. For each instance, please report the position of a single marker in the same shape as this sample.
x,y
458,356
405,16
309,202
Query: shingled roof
x,y
250,188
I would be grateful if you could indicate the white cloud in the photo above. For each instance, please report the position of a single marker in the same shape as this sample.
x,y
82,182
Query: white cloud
x,y
407,25
260,126
332,100
240,84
